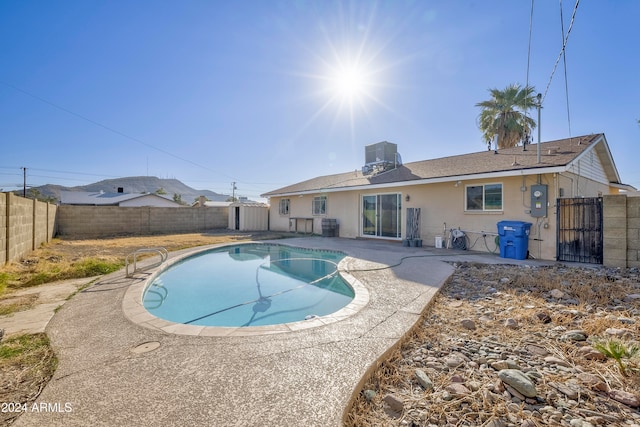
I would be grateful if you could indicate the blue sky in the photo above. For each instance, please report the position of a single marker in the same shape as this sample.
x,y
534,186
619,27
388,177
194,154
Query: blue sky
x,y
212,92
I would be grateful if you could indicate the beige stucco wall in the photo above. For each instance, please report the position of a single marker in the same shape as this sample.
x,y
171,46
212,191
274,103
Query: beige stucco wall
x,y
443,207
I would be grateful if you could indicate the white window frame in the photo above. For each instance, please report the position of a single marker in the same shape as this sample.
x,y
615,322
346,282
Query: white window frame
x,y
319,205
284,206
484,197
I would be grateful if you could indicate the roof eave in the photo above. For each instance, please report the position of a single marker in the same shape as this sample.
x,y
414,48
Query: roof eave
x,y
625,187
484,175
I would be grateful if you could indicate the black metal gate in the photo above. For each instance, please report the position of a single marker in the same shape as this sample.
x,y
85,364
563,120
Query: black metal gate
x,y
580,230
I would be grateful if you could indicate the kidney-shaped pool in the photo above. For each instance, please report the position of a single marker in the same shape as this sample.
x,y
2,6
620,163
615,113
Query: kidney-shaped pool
x,y
249,285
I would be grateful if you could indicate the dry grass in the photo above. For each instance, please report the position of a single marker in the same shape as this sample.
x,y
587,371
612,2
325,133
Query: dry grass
x,y
13,304
27,363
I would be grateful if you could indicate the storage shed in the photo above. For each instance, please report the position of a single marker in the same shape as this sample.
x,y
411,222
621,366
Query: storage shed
x,y
248,216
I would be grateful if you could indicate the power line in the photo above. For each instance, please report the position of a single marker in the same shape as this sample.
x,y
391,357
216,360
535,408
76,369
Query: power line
x,y
24,182
566,82
110,129
564,45
529,47
526,110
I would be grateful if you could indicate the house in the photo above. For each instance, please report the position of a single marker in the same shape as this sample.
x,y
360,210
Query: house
x,y
120,198
470,192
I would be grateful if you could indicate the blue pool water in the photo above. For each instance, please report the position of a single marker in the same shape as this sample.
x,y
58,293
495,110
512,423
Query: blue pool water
x,y
249,285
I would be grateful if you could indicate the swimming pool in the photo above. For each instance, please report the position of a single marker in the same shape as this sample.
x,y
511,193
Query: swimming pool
x,y
249,285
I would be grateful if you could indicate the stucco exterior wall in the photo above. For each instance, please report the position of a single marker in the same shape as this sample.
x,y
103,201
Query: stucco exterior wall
x,y
97,221
442,208
572,185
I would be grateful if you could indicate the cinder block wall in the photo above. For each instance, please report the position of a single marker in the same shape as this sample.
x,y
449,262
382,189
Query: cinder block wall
x,y
3,227
633,232
621,223
41,218
24,225
614,224
102,221
20,227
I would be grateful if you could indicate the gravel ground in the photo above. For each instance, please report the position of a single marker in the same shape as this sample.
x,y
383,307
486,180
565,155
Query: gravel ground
x,y
515,346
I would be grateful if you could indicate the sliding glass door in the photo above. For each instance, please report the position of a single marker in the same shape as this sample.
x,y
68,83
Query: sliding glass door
x,y
381,215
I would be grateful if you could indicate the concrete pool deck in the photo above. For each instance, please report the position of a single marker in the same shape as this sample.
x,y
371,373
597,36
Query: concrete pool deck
x,y
113,371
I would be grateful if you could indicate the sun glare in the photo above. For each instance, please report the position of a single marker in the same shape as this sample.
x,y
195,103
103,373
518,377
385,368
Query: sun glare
x,y
350,68
348,84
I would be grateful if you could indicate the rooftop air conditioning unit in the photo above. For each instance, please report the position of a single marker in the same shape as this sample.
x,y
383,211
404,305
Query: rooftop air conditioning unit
x,y
380,157
380,152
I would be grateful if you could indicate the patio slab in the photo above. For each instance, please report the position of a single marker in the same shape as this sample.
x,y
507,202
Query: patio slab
x,y
115,371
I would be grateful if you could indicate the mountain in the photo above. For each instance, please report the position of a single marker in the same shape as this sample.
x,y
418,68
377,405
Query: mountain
x,y
135,184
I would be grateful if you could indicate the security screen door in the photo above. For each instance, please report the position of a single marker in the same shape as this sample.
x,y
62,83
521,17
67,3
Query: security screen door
x,y
381,215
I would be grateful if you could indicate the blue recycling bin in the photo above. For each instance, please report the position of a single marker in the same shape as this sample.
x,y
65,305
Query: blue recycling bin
x,y
514,239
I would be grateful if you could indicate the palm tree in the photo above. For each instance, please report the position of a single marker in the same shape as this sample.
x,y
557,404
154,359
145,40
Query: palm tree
x,y
504,115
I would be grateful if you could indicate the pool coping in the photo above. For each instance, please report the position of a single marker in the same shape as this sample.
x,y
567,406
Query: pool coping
x,y
112,371
134,309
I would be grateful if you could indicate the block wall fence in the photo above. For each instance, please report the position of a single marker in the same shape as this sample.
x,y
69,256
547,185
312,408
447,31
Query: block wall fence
x,y
102,221
24,225
621,226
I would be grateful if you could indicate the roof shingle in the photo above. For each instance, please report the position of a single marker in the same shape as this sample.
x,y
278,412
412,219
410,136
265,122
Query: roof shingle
x,y
552,154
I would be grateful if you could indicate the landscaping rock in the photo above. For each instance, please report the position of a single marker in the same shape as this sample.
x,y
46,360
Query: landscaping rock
x,y
394,402
518,381
468,324
554,376
424,380
624,397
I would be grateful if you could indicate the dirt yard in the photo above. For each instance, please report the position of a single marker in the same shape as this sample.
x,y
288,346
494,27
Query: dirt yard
x,y
120,247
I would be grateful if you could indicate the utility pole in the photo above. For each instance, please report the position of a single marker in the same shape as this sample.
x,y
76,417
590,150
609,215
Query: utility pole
x,y
233,191
24,181
539,97
539,105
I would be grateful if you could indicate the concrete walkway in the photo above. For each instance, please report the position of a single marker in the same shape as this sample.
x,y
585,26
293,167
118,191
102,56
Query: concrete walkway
x,y
115,372
49,298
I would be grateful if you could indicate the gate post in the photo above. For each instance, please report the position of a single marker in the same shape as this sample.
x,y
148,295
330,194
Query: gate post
x,y
614,212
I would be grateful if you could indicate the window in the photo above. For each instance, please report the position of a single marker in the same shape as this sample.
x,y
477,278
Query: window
x,y
284,206
320,205
486,197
